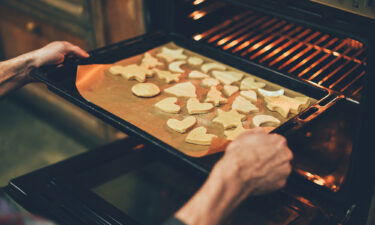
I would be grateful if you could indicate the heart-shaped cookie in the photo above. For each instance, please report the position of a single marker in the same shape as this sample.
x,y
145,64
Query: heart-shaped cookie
x,y
229,90
182,126
168,105
199,136
195,107
240,104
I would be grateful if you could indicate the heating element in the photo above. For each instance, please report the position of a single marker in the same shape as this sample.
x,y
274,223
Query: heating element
x,y
337,63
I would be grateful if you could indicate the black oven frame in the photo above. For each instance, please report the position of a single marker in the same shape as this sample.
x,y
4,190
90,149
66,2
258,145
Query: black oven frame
x,y
362,168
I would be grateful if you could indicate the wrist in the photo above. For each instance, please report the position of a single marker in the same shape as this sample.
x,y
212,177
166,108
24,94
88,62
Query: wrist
x,y
29,62
232,174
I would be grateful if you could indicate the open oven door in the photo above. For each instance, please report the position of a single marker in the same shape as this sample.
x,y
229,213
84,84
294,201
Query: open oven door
x,y
127,183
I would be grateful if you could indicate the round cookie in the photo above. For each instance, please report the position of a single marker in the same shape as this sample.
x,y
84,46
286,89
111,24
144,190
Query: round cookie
x,y
145,90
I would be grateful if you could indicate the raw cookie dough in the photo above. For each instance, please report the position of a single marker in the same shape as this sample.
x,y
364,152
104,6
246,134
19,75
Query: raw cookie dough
x,y
283,105
229,90
214,96
209,82
250,95
195,74
242,105
195,107
168,105
265,93
234,133
116,69
227,77
195,61
210,66
250,83
167,76
171,54
199,136
176,66
229,119
186,89
145,90
260,119
150,62
182,126
132,71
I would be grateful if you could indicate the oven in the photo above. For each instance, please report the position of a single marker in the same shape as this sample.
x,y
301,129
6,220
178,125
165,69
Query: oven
x,y
323,52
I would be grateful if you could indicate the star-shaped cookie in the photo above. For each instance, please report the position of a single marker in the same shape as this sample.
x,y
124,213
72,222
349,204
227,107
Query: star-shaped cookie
x,y
229,119
171,54
167,76
214,96
132,71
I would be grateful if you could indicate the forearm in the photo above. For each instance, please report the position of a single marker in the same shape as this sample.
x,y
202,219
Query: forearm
x,y
14,72
213,203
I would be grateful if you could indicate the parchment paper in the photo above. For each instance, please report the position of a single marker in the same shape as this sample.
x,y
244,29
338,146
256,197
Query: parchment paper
x,y
113,93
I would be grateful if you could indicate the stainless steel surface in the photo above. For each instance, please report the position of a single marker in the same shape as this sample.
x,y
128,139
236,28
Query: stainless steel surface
x,y
361,7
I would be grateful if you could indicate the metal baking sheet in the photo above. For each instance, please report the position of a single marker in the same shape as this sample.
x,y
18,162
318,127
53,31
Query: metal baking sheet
x,y
113,93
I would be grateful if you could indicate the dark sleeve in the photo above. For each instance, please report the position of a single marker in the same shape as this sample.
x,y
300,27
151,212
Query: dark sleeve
x,y
10,214
174,221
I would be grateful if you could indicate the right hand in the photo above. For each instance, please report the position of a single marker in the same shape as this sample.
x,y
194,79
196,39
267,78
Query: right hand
x,y
256,163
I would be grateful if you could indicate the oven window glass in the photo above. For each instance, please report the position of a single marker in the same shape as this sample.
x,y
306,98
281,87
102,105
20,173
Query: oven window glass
x,y
149,195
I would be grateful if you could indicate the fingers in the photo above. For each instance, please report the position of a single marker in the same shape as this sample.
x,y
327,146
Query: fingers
x,y
77,51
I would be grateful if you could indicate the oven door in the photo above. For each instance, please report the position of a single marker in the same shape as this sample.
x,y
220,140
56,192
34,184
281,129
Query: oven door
x,y
128,183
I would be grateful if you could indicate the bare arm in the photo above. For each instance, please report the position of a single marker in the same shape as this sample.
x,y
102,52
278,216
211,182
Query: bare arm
x,y
14,73
255,163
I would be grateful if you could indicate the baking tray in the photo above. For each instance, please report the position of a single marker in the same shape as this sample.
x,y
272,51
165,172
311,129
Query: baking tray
x,y
61,80
113,93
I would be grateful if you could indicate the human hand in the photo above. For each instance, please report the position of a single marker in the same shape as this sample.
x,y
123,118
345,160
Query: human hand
x,y
256,163
56,52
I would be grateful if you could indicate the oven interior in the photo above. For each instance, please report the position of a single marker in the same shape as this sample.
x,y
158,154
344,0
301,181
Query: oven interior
x,y
318,45
256,36
333,61
272,47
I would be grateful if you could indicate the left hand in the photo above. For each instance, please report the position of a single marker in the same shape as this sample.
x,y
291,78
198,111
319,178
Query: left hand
x,y
55,53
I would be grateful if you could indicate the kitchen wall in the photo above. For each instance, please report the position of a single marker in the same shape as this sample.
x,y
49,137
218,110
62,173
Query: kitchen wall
x,y
28,25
